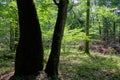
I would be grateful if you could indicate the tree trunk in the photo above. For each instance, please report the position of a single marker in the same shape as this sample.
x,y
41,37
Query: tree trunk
x,y
105,30
29,53
114,31
119,35
99,30
87,27
12,37
53,61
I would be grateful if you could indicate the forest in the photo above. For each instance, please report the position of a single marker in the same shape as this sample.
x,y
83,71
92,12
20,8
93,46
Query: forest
x,y
59,39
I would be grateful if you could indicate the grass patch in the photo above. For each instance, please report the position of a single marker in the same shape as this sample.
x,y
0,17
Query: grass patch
x,y
76,66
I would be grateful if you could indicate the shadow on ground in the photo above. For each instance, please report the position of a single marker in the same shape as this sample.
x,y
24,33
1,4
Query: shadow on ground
x,y
81,67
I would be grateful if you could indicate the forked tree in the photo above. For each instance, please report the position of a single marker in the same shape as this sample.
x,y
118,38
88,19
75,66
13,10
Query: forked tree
x,y
29,53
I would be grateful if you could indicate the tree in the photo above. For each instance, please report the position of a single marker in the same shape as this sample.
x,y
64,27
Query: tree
x,y
53,61
87,27
105,30
12,38
29,53
9,20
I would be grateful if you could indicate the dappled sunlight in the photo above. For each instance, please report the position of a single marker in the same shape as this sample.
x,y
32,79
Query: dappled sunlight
x,y
79,39
102,67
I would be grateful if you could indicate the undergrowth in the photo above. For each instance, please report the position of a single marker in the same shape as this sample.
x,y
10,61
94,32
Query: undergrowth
x,y
75,65
6,62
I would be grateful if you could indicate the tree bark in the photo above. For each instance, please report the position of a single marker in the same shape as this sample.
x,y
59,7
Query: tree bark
x,y
87,27
29,53
53,61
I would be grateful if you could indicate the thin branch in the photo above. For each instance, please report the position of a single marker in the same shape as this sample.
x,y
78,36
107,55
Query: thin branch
x,y
56,2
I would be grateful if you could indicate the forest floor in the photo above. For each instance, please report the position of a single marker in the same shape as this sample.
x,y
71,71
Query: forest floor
x,y
74,66
77,66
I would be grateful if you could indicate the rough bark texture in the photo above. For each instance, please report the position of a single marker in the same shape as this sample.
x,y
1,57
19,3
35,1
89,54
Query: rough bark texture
x,y
53,61
29,53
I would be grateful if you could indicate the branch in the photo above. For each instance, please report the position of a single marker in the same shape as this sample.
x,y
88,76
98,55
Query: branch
x,y
56,2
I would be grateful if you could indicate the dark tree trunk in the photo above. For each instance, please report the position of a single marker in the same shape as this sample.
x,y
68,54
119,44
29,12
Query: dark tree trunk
x,y
29,54
53,61
119,36
100,30
114,31
87,27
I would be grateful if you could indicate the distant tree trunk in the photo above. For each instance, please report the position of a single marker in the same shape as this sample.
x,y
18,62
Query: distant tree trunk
x,y
12,37
29,53
114,31
87,27
53,61
17,32
119,35
99,30
105,30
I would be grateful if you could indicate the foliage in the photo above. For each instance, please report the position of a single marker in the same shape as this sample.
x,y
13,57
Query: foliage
x,y
9,21
74,35
6,62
